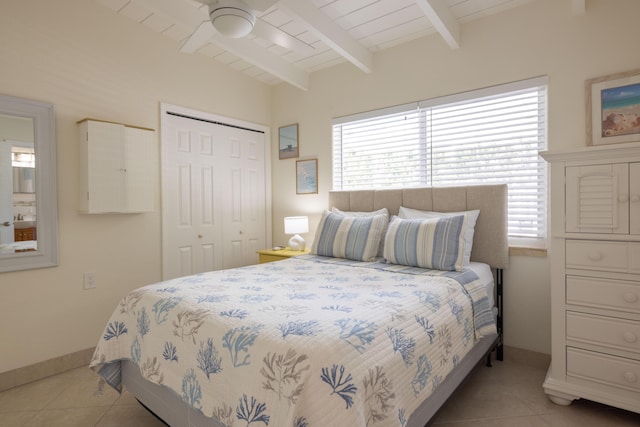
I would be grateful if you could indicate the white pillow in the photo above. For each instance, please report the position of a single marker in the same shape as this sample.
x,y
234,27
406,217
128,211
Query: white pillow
x,y
472,218
382,211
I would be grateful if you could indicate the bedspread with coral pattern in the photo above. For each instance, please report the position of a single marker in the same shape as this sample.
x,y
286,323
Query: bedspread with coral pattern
x,y
308,341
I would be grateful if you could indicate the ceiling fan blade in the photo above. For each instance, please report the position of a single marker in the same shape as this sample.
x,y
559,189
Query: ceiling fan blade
x,y
259,5
268,32
199,38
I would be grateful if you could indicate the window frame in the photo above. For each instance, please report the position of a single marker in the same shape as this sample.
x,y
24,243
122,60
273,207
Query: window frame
x,y
538,83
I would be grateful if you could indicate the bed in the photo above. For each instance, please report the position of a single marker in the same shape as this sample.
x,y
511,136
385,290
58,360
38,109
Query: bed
x,y
317,340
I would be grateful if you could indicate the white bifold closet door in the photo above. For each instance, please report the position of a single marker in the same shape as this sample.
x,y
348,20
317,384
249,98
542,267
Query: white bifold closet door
x,y
214,196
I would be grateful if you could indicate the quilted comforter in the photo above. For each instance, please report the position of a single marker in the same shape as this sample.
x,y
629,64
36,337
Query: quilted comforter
x,y
308,341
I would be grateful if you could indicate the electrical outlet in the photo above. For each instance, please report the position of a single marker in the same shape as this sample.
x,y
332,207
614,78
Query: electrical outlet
x,y
89,280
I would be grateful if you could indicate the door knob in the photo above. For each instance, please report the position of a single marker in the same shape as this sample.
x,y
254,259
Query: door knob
x,y
6,224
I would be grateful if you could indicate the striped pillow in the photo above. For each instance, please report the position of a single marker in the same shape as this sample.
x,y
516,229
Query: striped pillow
x,y
409,213
436,243
355,238
383,211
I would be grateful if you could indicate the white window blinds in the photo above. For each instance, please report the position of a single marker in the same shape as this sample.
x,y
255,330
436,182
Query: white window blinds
x,y
487,136
380,152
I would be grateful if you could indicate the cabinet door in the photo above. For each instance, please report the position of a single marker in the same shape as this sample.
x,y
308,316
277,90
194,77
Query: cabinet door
x,y
105,167
141,176
634,198
597,199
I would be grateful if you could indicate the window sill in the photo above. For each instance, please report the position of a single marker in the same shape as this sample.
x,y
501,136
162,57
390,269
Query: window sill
x,y
525,251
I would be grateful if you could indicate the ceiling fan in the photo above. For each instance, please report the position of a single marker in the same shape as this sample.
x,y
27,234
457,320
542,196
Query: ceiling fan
x,y
236,19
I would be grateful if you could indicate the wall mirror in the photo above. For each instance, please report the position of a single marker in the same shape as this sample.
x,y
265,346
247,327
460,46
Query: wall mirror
x,y
28,191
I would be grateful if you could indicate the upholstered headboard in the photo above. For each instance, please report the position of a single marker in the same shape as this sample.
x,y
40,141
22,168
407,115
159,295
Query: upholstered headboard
x,y
490,241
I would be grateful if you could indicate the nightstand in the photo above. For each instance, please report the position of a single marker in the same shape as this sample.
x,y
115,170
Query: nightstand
x,y
269,255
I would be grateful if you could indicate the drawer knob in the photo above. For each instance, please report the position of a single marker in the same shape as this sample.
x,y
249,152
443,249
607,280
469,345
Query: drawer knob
x,y
630,337
630,297
630,377
595,256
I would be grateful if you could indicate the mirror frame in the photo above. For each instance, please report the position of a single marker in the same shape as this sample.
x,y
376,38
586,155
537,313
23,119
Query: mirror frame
x,y
43,115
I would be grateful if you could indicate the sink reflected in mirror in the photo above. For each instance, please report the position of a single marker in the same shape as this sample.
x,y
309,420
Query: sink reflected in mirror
x,y
24,224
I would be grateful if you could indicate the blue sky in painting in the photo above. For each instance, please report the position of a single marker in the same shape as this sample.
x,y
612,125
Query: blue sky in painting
x,y
621,96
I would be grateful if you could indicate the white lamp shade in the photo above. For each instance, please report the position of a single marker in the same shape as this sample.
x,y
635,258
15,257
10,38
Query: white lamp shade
x,y
296,224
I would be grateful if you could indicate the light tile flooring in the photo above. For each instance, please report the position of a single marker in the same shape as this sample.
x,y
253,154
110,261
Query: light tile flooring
x,y
507,395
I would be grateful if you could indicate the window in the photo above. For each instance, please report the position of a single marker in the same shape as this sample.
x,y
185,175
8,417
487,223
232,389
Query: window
x,y
486,136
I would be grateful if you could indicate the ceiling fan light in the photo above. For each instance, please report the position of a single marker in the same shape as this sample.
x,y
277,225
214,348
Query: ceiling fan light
x,y
233,22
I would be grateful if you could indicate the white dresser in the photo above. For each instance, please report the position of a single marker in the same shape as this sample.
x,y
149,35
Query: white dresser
x,y
595,275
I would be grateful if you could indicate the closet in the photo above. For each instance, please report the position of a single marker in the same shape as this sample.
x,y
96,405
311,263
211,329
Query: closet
x,y
215,192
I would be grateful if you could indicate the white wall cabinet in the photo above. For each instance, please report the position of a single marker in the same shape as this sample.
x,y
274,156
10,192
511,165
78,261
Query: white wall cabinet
x,y
595,276
118,168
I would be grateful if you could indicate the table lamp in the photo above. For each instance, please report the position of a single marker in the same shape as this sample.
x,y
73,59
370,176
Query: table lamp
x,y
295,225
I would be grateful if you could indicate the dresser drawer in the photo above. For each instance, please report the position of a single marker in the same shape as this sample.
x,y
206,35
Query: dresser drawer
x,y
610,370
604,293
604,331
597,255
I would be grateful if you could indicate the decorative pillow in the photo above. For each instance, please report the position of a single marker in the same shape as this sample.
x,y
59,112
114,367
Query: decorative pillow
x,y
350,237
383,211
436,243
408,213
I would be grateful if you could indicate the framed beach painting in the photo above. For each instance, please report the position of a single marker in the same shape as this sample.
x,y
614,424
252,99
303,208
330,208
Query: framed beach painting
x,y
613,108
307,176
288,139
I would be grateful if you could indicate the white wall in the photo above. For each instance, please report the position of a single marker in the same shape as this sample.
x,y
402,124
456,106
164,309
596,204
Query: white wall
x,y
90,62
540,38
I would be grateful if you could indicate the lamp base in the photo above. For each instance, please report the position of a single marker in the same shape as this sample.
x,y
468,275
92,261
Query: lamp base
x,y
296,243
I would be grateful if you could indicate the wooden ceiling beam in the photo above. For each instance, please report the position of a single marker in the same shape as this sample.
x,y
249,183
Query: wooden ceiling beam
x,y
443,20
329,32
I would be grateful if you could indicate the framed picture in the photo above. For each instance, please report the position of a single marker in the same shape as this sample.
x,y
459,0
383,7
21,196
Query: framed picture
x,y
307,176
288,137
613,108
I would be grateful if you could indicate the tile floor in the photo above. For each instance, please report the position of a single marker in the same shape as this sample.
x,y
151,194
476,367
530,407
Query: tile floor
x,y
507,395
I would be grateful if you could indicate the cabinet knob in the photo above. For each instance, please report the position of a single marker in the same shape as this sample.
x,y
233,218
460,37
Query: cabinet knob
x,y
595,256
623,198
199,236
630,297
630,337
630,377
635,198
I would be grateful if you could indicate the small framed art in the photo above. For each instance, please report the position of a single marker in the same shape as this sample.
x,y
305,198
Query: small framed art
x,y
307,176
613,108
288,137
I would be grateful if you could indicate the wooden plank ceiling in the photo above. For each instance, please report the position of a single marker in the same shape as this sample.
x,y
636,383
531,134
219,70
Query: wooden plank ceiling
x,y
330,31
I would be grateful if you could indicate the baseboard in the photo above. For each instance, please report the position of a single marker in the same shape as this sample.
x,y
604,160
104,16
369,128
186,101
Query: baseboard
x,y
527,357
47,368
